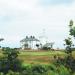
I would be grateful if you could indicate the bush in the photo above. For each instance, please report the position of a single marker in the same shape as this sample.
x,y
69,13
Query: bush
x,y
10,61
46,70
42,70
38,69
62,70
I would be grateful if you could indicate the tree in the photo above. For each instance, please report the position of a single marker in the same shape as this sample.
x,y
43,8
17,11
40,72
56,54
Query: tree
x,y
70,61
10,60
72,28
68,44
68,41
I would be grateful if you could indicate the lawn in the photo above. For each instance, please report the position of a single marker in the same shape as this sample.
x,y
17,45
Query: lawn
x,y
39,57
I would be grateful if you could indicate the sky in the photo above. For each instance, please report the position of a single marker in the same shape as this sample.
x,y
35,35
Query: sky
x,y
20,18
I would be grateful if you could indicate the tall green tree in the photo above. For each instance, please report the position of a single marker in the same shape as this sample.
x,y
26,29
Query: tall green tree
x,y
68,41
70,61
72,28
68,44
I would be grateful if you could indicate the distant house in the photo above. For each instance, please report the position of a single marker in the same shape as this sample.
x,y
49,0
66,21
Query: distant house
x,y
48,46
30,43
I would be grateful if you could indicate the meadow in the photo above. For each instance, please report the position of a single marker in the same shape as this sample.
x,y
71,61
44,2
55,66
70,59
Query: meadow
x,y
39,57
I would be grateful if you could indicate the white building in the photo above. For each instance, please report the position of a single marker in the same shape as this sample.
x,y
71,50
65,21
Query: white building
x,y
49,45
30,43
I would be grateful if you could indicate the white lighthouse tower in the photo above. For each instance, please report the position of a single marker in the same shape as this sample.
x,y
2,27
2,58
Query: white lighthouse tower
x,y
43,38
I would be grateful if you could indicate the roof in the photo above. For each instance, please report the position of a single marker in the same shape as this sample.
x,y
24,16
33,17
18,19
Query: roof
x,y
48,44
31,38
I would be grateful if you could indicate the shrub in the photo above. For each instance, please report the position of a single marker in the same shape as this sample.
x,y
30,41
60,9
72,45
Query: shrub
x,y
10,61
38,70
62,70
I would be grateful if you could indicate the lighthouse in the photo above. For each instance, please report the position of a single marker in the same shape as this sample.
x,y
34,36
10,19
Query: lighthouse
x,y
43,38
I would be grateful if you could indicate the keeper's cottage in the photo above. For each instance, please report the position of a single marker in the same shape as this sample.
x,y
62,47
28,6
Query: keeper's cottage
x,y
30,43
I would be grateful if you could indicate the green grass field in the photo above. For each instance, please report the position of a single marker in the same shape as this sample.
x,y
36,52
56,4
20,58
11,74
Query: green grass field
x,y
39,57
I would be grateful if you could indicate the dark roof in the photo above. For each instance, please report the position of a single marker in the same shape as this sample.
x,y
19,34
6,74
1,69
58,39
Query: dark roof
x,y
31,38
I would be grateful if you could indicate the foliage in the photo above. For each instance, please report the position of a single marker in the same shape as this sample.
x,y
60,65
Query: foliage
x,y
70,61
46,70
10,61
72,29
41,70
68,43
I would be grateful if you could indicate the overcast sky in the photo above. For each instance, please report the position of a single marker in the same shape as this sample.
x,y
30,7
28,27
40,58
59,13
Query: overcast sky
x,y
19,18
